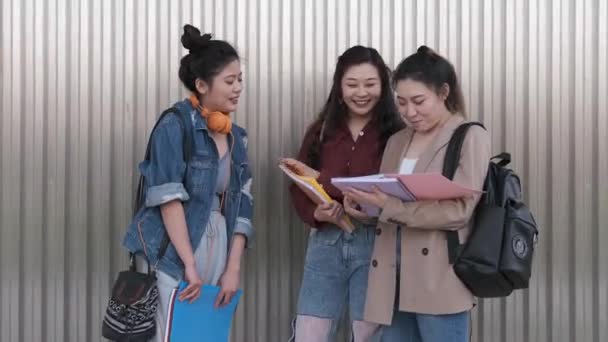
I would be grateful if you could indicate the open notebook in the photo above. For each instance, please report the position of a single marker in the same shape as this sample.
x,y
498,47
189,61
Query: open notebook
x,y
411,187
199,321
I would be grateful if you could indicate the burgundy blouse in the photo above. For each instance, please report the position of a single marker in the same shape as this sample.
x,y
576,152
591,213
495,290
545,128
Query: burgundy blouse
x,y
341,156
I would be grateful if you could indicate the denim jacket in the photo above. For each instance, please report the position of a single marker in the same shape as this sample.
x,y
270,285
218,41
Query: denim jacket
x,y
168,177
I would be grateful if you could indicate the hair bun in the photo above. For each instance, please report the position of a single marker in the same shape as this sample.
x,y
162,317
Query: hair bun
x,y
423,49
192,39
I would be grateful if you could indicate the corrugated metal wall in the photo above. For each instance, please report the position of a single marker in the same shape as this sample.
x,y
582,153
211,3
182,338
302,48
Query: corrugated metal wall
x,y
83,80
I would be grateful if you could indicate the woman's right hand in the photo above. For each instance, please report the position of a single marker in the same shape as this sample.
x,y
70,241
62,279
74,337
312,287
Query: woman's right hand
x,y
353,209
300,168
193,290
333,212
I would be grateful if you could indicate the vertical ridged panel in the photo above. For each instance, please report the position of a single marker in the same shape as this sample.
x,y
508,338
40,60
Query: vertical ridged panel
x,y
84,80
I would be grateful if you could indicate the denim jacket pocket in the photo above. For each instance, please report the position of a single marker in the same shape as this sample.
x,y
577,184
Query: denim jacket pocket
x,y
199,169
201,162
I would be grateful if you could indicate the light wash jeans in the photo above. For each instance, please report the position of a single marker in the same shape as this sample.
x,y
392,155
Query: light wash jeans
x,y
335,278
413,327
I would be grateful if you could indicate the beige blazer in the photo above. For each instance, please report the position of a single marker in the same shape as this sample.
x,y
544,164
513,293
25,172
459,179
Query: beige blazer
x,y
428,283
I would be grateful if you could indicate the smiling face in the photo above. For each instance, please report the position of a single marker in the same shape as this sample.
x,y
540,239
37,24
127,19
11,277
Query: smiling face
x,y
224,92
421,107
361,89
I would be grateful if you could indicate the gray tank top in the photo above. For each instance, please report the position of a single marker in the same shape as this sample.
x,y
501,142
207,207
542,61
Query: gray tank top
x,y
223,174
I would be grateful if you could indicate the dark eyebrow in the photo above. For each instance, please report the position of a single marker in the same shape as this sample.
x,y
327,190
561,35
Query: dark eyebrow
x,y
234,75
367,79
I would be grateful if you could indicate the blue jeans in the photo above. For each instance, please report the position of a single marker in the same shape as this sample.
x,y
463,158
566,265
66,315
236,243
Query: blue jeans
x,y
335,277
415,327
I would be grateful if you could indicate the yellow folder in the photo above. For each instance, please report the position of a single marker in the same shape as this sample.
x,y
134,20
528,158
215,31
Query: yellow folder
x,y
313,189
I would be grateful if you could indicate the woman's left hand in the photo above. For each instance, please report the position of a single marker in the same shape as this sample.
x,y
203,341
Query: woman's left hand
x,y
376,198
229,284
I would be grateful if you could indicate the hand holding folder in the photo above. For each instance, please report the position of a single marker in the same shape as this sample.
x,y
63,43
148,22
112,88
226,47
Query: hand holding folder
x,y
306,179
199,320
411,187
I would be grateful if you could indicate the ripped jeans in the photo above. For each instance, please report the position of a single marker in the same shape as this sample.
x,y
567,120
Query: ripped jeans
x,y
335,275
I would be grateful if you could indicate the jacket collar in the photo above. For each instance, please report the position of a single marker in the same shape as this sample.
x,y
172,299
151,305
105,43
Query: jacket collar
x,y
404,138
198,121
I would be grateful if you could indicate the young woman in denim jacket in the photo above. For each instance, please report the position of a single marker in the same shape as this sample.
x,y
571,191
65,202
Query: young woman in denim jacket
x,y
419,297
203,205
347,139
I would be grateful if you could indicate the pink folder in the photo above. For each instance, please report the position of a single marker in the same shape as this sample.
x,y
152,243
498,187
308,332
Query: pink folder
x,y
433,186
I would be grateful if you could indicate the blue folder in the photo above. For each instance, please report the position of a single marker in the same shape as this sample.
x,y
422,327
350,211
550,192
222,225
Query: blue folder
x,y
201,321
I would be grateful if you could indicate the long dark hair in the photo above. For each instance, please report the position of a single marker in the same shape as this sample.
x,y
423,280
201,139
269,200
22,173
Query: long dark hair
x,y
335,112
434,70
206,58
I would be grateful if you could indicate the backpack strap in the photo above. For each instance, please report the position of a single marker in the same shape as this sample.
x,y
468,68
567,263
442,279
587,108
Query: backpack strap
x,y
452,154
505,159
186,124
188,142
450,164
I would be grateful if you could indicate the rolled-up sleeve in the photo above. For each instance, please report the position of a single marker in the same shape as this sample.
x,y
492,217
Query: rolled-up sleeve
x,y
244,218
164,171
245,228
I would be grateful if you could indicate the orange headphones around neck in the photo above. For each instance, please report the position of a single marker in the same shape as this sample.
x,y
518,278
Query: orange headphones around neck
x,y
216,121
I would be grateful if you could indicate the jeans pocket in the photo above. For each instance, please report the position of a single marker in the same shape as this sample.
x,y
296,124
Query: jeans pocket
x,y
327,236
323,257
